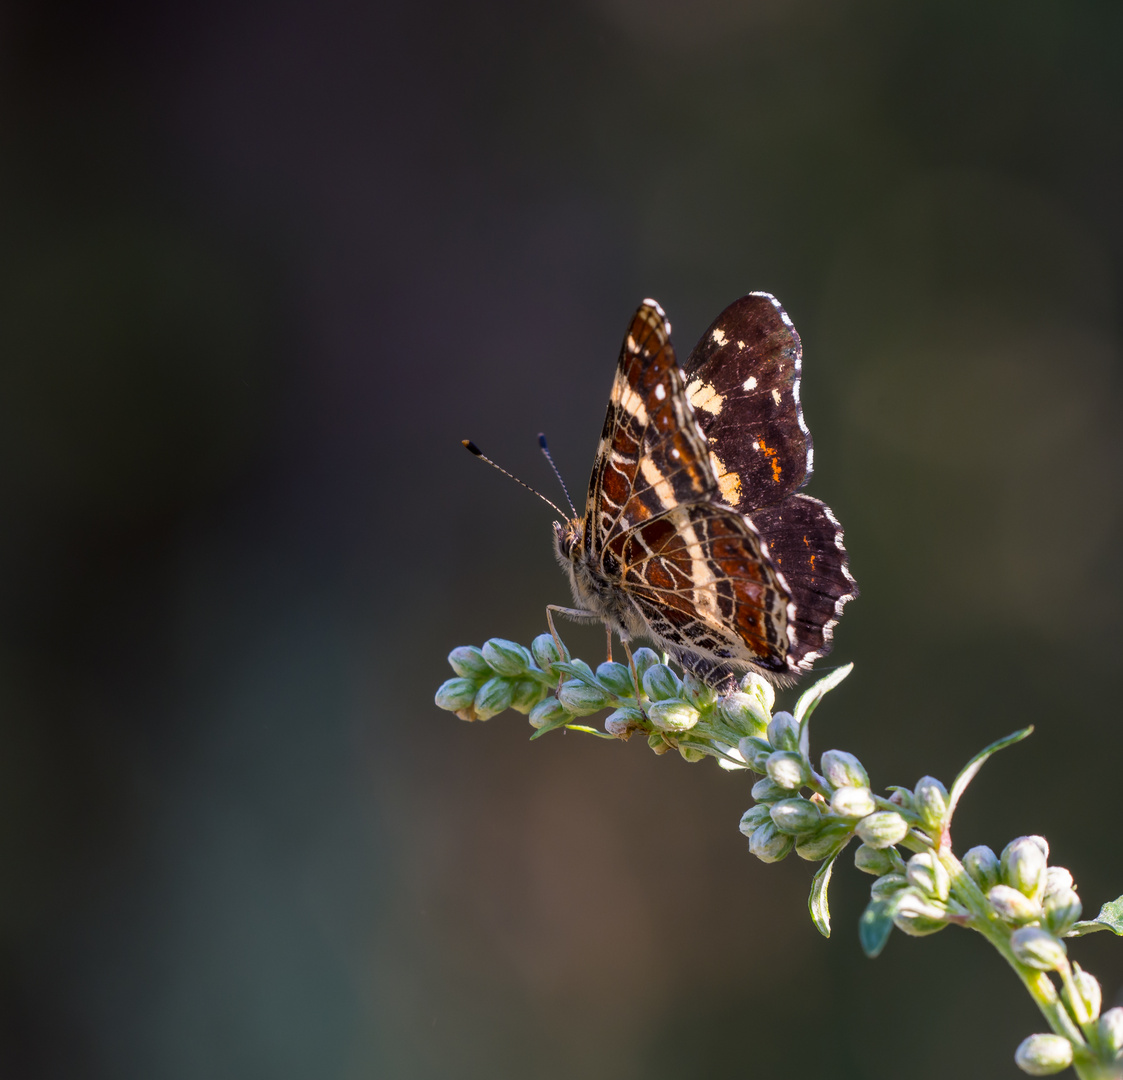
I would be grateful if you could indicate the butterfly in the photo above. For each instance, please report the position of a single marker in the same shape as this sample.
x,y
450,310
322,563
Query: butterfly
x,y
695,534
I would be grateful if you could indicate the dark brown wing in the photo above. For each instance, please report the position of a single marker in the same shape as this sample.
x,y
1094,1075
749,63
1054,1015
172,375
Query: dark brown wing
x,y
805,541
652,454
705,585
743,380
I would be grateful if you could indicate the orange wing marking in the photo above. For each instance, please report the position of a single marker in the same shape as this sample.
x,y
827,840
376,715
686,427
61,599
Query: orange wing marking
x,y
807,544
768,452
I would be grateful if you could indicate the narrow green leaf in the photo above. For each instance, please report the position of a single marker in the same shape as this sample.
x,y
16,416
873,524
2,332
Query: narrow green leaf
x,y
875,926
552,725
817,901
814,694
711,750
1109,918
590,731
976,763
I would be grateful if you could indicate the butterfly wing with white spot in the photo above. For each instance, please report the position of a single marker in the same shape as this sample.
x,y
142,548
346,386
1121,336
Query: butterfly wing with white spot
x,y
652,454
743,381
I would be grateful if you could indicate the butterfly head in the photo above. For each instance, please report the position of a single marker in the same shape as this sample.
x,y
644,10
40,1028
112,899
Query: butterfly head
x,y
569,540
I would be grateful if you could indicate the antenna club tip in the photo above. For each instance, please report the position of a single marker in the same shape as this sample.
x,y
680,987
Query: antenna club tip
x,y
471,447
542,440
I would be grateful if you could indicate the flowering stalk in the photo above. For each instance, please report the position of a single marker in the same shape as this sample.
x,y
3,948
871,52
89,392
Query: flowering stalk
x,y
1023,906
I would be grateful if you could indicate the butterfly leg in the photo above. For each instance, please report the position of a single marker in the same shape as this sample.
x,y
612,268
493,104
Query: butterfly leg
x,y
632,668
608,637
577,614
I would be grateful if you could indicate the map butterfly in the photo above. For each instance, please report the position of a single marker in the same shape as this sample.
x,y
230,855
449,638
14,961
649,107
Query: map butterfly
x,y
695,534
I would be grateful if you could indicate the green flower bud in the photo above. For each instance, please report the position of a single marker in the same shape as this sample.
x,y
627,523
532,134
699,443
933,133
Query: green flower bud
x,y
691,754
744,713
760,688
584,669
887,885
456,694
1037,948
493,697
661,684
755,751
753,818
767,790
787,769
796,816
931,800
878,861
623,721
1043,1055
506,657
1057,879
546,712
1110,1030
902,797
982,864
526,693
545,653
580,698
1023,867
843,770
769,844
468,661
673,716
852,802
783,731
657,743
917,916
883,829
616,679
644,659
1013,905
927,873
819,845
1089,996
1062,909
698,693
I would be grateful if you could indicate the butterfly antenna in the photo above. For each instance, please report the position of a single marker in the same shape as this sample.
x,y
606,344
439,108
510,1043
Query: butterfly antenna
x,y
549,458
472,448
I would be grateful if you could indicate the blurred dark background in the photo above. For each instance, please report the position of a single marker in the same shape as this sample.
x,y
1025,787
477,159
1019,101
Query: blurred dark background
x,y
264,266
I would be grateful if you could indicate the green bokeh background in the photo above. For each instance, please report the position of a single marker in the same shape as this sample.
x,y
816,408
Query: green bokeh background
x,y
263,266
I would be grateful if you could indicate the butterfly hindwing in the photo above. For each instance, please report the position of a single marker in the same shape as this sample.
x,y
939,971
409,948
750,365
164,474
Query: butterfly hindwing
x,y
743,382
805,542
705,584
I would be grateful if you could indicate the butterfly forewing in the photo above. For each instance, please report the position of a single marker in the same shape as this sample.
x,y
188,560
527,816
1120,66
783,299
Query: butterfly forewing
x,y
696,570
651,455
743,381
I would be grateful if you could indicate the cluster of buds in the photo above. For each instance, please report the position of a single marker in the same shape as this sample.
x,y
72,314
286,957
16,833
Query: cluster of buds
x,y
915,895
1019,902
1045,1054
1040,906
554,691
815,814
1024,890
502,675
